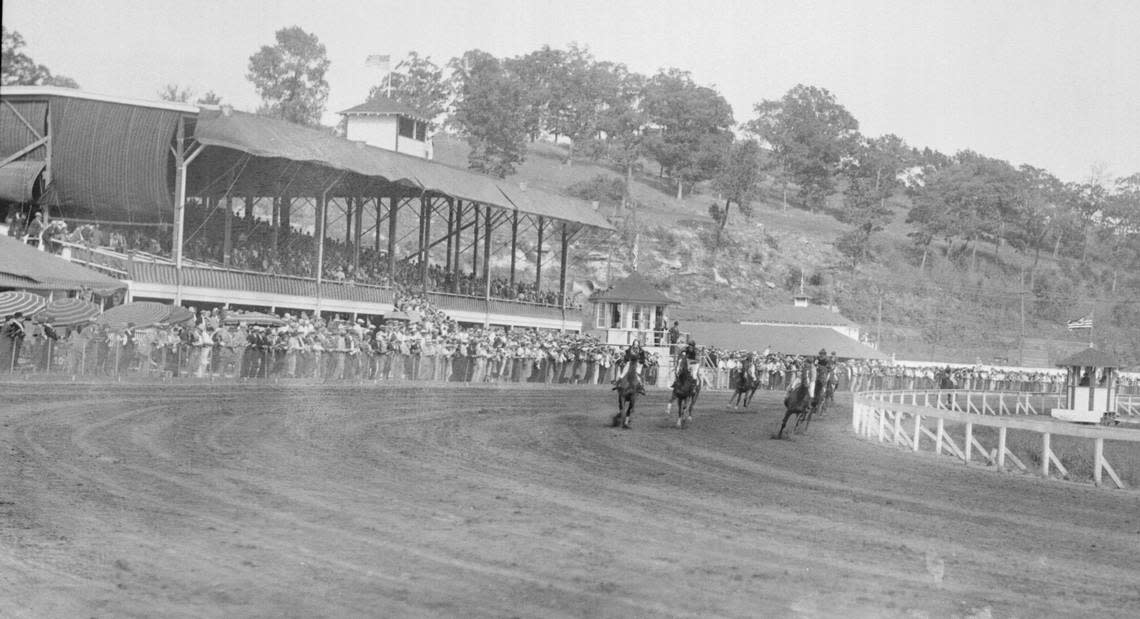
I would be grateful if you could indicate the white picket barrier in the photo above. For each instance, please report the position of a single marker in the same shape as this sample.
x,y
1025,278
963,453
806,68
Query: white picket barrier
x,y
901,418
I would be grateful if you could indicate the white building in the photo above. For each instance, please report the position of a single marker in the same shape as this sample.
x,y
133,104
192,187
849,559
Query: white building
x,y
391,125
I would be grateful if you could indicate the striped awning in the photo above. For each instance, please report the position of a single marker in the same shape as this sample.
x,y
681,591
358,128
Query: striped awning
x,y
68,312
20,301
140,314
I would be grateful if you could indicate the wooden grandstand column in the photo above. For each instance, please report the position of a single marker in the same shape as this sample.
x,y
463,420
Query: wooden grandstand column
x,y
487,249
228,231
182,160
320,219
275,227
376,228
393,208
514,243
562,268
450,233
348,217
475,246
538,257
458,245
426,210
357,225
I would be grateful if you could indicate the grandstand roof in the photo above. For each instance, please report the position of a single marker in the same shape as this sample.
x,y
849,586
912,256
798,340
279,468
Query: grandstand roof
x,y
278,139
780,339
131,179
793,315
27,268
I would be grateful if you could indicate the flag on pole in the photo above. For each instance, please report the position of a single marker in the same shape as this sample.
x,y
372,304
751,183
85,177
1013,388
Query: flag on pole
x,y
1085,322
382,62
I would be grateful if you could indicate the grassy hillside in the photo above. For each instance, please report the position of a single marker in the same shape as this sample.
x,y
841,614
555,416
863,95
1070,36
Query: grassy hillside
x,y
946,311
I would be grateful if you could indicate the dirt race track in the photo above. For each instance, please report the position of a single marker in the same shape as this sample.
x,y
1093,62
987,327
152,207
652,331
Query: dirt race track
x,y
198,500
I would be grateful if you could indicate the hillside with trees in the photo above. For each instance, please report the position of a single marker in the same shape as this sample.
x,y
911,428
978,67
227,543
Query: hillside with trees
x,y
943,256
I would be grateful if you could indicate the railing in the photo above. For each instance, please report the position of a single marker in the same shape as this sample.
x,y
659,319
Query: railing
x,y
975,426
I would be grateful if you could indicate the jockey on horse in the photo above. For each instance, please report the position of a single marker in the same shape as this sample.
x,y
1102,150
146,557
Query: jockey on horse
x,y
692,356
636,355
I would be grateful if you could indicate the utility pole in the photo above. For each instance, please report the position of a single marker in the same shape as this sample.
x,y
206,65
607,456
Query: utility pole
x,y
1021,330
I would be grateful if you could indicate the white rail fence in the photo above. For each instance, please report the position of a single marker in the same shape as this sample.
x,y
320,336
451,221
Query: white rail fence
x,y
975,427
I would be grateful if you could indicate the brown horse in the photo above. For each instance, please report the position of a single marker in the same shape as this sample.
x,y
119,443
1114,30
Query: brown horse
x,y
746,387
627,396
686,389
799,401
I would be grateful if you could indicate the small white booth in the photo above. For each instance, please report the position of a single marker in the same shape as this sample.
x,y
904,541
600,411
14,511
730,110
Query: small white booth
x,y
1090,387
632,309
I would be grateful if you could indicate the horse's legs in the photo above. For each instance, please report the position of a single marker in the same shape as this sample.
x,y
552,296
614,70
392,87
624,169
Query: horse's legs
x,y
617,417
787,414
629,410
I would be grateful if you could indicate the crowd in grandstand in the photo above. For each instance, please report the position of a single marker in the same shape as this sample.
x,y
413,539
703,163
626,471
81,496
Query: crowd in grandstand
x,y
293,254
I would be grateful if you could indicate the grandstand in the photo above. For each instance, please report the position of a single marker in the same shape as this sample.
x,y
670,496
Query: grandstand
x,y
209,206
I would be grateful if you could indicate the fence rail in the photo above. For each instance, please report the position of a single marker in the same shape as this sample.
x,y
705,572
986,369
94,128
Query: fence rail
x,y
974,427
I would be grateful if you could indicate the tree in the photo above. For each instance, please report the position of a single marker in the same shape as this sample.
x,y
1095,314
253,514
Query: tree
x,y
489,112
542,74
210,98
738,181
623,122
18,69
290,76
1039,200
420,85
810,133
176,93
872,172
689,127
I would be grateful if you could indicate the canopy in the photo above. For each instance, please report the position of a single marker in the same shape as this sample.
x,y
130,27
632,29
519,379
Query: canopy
x,y
253,318
177,314
20,301
68,312
139,313
25,267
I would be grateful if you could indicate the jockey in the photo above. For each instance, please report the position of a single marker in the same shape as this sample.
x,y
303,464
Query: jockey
x,y
749,367
636,355
822,365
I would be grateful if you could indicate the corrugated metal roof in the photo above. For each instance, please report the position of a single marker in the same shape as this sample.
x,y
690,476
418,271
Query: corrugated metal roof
x,y
112,159
18,180
786,340
20,262
546,204
633,289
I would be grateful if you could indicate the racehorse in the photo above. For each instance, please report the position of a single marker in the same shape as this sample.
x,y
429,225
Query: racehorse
x,y
627,396
799,401
686,389
746,387
830,382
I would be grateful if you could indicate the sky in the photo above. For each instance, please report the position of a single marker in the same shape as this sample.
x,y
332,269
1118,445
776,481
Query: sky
x,y
1050,83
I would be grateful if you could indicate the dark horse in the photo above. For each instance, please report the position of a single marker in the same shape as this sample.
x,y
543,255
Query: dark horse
x,y
799,401
627,396
686,388
746,387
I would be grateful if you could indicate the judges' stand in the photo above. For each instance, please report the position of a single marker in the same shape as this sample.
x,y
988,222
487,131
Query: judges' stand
x,y
1090,387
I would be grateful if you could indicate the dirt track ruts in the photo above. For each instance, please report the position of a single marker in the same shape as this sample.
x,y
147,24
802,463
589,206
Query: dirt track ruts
x,y
231,500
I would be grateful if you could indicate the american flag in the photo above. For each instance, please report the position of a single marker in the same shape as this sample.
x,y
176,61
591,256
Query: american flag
x,y
381,61
1085,322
